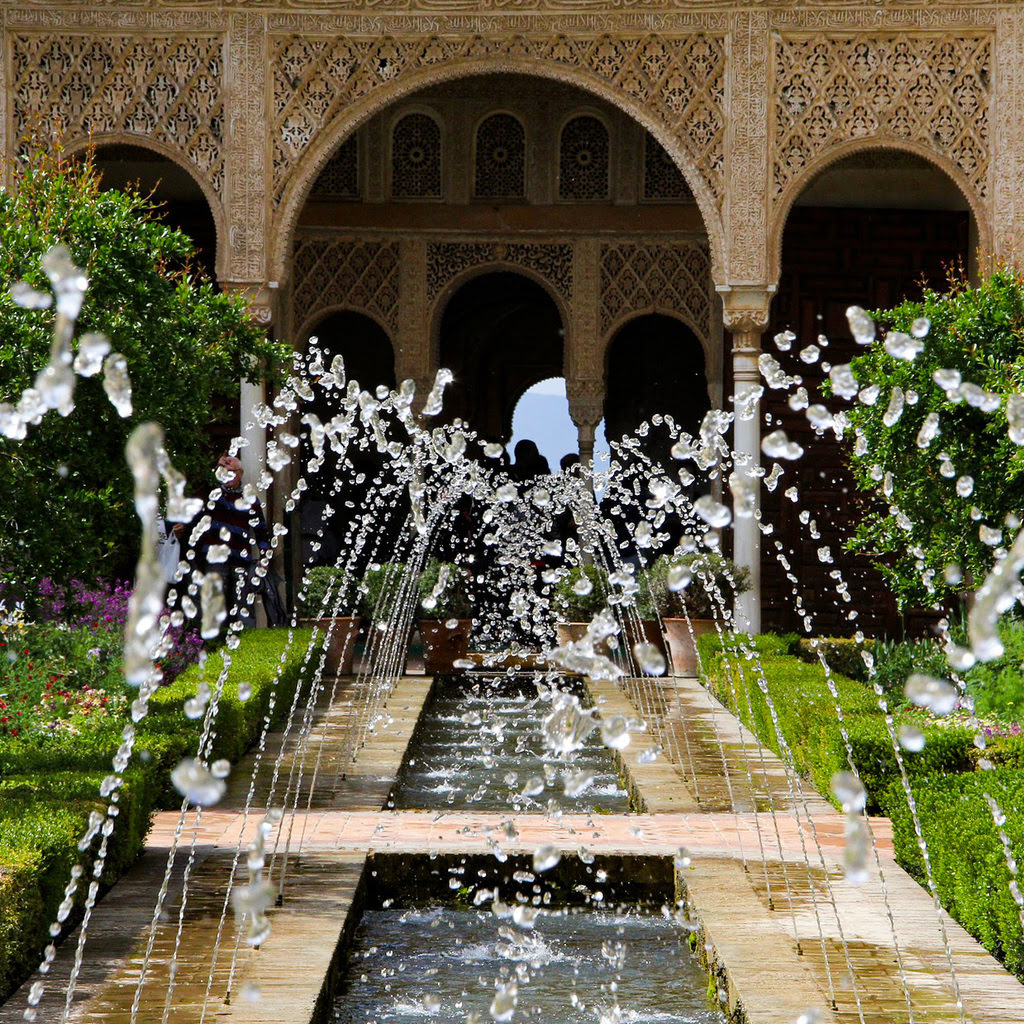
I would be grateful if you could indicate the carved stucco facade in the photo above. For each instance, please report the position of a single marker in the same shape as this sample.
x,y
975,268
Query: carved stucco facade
x,y
253,96
751,101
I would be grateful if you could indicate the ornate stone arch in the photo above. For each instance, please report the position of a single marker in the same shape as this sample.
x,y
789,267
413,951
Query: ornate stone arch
x,y
700,333
439,301
661,121
96,142
838,152
308,326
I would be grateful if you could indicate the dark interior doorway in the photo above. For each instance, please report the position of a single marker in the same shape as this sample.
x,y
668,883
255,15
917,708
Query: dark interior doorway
x,y
500,334
833,258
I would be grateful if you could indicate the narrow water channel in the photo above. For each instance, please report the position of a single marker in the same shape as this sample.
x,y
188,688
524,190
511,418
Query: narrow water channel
x,y
575,965
478,745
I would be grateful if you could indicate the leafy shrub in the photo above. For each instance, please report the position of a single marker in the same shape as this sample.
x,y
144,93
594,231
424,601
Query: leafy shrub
x,y
256,661
41,821
966,853
842,653
979,332
897,659
998,686
571,606
453,602
50,783
186,344
325,588
713,575
807,719
380,588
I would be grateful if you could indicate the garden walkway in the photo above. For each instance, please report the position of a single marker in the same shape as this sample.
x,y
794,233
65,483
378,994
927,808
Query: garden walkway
x,y
785,930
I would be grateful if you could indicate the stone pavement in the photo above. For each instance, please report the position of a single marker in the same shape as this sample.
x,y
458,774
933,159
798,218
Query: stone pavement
x,y
782,929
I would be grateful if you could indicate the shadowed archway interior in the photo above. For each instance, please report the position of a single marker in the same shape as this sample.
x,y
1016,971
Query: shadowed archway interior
x,y
500,334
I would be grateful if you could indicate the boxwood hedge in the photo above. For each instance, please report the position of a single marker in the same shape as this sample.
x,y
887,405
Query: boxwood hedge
x,y
807,718
49,785
966,852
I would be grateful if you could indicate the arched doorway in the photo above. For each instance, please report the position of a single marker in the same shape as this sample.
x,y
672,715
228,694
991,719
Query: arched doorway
x,y
871,229
368,357
655,364
500,333
178,197
655,368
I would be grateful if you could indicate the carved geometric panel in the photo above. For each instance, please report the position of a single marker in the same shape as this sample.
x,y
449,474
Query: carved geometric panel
x,y
416,158
356,274
165,87
671,277
680,80
340,177
583,160
500,158
934,90
446,260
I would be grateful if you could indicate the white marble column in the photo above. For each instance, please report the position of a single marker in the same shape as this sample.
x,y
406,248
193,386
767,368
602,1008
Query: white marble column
x,y
746,323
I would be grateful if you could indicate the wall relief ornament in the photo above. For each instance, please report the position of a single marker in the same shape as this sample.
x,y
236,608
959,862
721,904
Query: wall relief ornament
x,y
137,88
672,278
933,90
679,78
356,274
550,261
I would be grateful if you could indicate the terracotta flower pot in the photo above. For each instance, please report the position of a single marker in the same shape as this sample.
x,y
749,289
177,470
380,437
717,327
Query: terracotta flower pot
x,y
649,631
681,645
442,646
342,646
573,631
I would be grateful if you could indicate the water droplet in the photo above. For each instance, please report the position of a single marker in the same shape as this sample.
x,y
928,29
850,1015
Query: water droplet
x,y
937,695
650,660
546,857
920,327
895,408
862,327
911,738
714,513
849,791
196,783
615,732
903,346
117,383
777,445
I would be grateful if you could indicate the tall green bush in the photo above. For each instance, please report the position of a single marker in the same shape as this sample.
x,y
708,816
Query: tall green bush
x,y
66,494
978,332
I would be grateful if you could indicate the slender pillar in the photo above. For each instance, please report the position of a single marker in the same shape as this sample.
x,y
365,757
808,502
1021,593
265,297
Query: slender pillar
x,y
586,407
746,316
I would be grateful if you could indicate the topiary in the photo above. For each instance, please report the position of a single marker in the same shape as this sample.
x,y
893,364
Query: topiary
x,y
452,600
715,582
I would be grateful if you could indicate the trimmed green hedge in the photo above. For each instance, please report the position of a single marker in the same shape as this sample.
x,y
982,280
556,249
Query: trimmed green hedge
x,y
966,853
50,784
807,719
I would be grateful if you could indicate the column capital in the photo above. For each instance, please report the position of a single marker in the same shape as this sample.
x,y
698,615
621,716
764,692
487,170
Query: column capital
x,y
586,401
745,309
262,299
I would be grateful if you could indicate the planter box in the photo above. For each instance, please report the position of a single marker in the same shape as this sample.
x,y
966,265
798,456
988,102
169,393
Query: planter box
x,y
442,646
342,646
681,645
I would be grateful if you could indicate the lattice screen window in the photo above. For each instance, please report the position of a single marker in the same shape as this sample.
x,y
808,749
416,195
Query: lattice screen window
x,y
583,160
416,158
663,181
340,177
500,158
